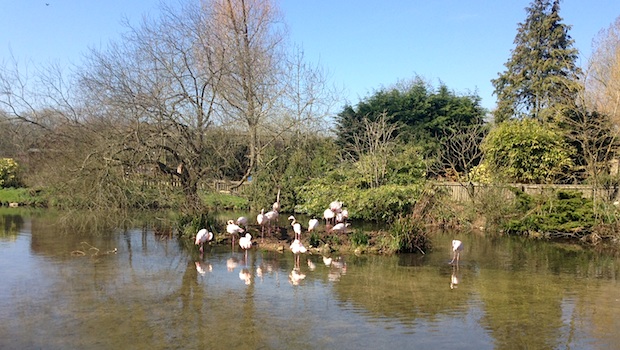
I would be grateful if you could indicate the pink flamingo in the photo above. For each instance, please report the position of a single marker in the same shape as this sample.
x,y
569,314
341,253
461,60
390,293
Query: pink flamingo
x,y
313,224
233,229
202,237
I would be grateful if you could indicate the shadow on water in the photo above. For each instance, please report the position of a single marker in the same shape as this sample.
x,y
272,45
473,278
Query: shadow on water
x,y
141,288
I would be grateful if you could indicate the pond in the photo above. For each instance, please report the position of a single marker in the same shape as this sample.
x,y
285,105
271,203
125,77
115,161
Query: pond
x,y
134,288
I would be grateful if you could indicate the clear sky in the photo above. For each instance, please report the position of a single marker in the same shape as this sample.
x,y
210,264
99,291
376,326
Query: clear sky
x,y
364,44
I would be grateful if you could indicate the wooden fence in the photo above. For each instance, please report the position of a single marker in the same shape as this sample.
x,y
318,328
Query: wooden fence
x,y
461,191
221,186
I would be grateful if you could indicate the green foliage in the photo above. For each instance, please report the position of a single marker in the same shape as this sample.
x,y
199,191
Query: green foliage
x,y
562,211
315,239
526,151
542,74
421,111
407,166
403,184
9,173
359,238
288,166
377,204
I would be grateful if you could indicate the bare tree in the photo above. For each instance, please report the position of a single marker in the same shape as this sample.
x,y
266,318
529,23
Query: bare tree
x,y
602,78
373,148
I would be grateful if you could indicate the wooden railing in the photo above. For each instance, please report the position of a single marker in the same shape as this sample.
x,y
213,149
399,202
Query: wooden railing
x,y
461,191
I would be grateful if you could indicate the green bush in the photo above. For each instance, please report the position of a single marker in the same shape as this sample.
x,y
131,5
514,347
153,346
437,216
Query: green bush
x,y
561,211
359,238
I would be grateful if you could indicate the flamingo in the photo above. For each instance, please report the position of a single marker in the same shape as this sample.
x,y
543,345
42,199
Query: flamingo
x,y
261,221
335,206
457,248
271,216
328,215
342,216
296,227
242,221
340,227
233,229
245,243
202,237
313,224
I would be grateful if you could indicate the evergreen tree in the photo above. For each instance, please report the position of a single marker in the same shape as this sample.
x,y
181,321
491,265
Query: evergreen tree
x,y
541,76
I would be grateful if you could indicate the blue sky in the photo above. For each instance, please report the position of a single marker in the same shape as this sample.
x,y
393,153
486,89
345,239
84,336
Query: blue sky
x,y
364,44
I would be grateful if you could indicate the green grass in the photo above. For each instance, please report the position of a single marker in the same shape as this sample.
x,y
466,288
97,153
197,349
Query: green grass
x,y
23,196
220,201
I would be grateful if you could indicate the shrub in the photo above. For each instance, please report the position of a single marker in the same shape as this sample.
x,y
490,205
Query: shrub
x,y
562,211
408,235
9,173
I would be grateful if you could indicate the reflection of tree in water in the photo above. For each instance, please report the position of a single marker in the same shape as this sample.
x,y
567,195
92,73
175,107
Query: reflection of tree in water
x,y
11,225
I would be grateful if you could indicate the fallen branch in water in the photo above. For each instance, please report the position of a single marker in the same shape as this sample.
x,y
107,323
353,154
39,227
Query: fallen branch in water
x,y
94,251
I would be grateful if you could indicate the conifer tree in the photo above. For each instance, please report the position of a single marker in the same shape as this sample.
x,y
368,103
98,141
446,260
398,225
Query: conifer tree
x,y
541,77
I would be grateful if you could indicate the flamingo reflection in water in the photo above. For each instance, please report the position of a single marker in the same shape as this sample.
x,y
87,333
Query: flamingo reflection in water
x,y
296,276
202,268
454,278
245,276
337,268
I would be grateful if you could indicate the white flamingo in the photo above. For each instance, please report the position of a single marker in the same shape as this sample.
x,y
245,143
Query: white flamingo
x,y
260,220
271,216
328,215
245,243
297,248
340,227
242,221
202,237
342,216
335,206
457,248
313,224
233,229
296,227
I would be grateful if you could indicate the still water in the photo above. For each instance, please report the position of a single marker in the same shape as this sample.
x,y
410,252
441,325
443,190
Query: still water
x,y
132,288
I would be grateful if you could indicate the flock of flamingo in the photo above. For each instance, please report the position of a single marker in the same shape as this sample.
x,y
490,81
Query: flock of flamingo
x,y
335,221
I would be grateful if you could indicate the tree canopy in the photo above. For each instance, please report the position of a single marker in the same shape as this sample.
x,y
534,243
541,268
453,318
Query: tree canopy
x,y
541,75
421,113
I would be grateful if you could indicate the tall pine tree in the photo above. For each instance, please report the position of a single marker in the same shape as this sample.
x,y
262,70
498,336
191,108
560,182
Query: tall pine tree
x,y
541,77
